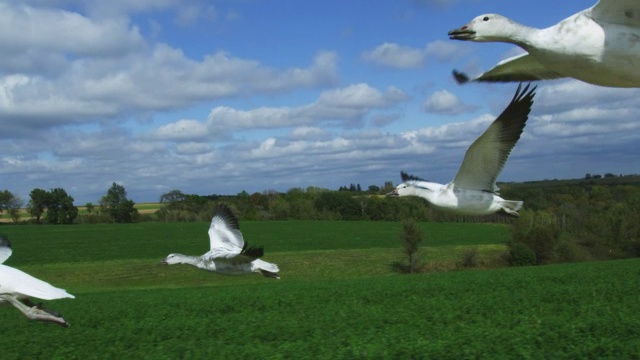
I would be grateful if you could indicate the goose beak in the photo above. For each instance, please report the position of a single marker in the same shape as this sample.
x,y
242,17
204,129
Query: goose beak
x,y
463,33
163,262
393,193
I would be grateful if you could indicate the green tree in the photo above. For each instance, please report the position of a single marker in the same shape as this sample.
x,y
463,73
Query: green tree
x,y
172,196
117,206
4,198
537,231
11,204
340,204
37,203
60,208
411,239
89,206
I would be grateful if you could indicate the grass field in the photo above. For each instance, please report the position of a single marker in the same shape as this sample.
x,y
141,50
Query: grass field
x,y
338,297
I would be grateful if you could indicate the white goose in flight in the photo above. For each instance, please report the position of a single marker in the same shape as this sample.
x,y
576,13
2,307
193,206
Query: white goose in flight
x,y
17,286
599,45
473,191
229,253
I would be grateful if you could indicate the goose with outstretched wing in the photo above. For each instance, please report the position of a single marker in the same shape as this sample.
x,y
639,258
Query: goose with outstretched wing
x,y
17,287
473,190
229,253
598,45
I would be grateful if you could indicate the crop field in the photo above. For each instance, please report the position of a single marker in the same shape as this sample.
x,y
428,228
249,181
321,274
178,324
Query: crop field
x,y
338,297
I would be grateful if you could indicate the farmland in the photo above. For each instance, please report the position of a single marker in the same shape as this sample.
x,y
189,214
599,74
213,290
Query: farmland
x,y
338,297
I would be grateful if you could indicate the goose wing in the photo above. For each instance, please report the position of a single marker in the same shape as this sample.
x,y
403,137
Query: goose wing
x,y
486,157
523,67
17,282
224,234
620,12
5,249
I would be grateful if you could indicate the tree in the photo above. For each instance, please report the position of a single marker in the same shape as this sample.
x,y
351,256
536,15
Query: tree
x,y
117,206
38,203
341,204
60,208
410,239
10,203
4,198
89,206
172,196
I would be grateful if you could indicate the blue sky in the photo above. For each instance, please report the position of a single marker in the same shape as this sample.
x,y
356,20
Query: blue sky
x,y
217,97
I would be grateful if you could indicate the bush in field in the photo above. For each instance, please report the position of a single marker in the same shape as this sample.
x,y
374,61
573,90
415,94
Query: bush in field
x,y
470,258
539,232
520,254
410,239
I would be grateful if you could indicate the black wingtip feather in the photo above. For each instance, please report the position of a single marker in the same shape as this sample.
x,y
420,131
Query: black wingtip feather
x,y
253,251
229,218
515,116
4,241
460,77
408,177
525,95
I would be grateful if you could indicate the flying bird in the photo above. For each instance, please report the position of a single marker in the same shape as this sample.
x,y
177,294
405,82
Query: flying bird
x,y
598,45
473,191
229,254
17,286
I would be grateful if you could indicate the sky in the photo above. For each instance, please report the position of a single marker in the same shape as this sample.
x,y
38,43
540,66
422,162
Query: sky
x,y
220,97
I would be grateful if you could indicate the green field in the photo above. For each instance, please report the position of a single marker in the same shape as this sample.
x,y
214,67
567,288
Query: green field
x,y
338,297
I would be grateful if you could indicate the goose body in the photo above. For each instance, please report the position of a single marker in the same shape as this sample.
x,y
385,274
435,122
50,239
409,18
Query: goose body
x,y
229,254
17,287
599,45
473,191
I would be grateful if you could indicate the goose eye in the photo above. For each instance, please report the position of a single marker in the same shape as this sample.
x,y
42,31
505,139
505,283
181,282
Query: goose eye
x,y
486,18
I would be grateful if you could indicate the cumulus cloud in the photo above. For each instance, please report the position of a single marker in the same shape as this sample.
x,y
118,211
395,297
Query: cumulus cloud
x,y
394,55
54,30
181,130
406,57
446,103
164,79
342,106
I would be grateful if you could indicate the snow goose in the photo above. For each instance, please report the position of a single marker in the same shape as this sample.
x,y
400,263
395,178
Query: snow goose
x,y
16,287
229,253
599,45
473,191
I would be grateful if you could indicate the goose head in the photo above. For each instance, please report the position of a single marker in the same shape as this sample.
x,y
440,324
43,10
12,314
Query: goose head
x,y
414,188
485,28
404,189
172,259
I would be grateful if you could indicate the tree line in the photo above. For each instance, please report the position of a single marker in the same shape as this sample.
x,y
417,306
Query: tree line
x,y
56,207
562,220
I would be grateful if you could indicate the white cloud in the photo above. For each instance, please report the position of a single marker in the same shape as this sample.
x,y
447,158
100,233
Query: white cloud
x,y
394,55
53,30
405,57
444,102
445,50
162,80
181,130
309,133
340,106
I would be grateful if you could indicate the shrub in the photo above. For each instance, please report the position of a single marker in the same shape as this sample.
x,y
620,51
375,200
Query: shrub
x,y
410,239
520,254
470,258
